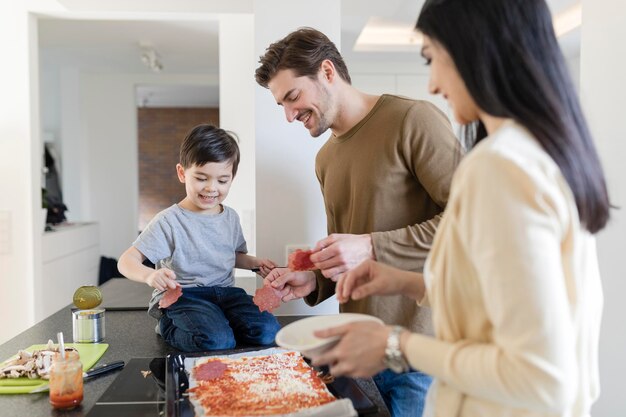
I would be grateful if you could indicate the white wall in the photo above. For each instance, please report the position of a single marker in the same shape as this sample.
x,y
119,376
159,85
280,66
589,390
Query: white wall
x,y
289,202
403,83
573,65
72,145
20,164
18,145
50,102
603,89
236,46
403,78
109,115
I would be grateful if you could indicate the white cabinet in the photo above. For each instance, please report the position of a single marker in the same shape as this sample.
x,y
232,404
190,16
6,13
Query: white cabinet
x,y
70,258
247,280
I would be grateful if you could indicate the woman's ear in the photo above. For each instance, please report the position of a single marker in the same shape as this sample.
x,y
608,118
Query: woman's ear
x,y
180,171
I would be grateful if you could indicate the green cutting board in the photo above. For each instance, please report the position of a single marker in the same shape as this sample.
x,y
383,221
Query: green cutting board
x,y
89,355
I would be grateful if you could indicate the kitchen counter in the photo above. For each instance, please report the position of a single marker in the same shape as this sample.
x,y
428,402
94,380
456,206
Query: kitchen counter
x,y
130,334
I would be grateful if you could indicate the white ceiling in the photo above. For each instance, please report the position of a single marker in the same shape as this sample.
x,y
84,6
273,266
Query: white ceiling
x,y
103,45
191,47
356,13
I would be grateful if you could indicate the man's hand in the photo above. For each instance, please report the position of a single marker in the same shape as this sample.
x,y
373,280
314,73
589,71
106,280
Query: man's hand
x,y
292,285
339,253
162,279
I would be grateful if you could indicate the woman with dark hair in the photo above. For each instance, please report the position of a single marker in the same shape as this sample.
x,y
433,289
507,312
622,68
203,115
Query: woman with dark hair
x,y
512,277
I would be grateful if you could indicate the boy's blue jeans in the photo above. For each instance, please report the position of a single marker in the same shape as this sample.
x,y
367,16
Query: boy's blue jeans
x,y
214,318
404,394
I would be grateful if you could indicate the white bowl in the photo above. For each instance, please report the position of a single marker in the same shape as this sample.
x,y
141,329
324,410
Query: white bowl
x,y
299,334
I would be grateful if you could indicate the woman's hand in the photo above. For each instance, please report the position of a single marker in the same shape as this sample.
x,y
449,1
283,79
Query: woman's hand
x,y
374,278
360,351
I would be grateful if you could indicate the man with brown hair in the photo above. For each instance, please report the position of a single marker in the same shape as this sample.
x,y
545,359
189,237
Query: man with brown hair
x,y
385,175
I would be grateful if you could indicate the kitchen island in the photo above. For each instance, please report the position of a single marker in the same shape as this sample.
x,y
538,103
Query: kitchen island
x,y
129,334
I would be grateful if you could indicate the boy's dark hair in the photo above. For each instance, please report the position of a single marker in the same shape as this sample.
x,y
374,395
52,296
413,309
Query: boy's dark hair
x,y
207,143
302,51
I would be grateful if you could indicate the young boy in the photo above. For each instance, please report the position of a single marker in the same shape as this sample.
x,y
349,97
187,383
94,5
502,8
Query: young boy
x,y
195,244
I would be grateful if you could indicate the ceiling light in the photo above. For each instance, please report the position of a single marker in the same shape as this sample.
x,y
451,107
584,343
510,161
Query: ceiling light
x,y
383,35
389,36
150,57
568,20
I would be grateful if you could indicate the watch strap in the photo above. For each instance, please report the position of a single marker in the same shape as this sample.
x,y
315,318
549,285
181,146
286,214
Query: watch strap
x,y
394,359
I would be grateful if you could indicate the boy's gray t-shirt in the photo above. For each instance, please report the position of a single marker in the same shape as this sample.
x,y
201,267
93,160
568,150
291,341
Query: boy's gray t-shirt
x,y
199,248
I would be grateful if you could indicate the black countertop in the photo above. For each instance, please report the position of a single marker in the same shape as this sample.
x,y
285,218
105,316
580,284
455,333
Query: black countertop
x,y
130,334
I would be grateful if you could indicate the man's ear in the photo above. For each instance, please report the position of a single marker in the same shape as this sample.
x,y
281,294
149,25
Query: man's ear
x,y
180,171
327,69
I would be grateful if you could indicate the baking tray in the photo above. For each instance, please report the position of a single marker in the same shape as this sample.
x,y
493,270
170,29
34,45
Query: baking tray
x,y
177,382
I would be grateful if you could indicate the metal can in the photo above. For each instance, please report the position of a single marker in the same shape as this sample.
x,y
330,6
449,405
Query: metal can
x,y
88,325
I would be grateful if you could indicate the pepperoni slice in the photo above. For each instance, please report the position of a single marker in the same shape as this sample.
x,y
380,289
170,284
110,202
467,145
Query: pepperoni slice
x,y
267,298
170,297
300,260
209,370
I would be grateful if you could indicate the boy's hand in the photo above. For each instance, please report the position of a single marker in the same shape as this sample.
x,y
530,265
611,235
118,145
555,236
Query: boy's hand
x,y
162,279
265,266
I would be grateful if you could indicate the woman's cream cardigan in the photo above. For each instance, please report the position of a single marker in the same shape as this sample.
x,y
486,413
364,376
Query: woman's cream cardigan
x,y
514,286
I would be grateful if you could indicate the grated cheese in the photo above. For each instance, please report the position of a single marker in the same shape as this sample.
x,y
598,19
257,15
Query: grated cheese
x,y
259,385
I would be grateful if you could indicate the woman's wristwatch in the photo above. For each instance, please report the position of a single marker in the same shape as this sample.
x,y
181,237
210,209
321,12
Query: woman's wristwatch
x,y
394,359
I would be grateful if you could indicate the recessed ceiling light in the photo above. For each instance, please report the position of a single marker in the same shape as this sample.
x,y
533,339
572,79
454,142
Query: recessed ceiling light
x,y
386,35
383,35
568,20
